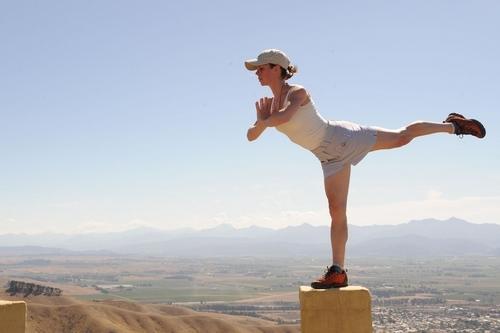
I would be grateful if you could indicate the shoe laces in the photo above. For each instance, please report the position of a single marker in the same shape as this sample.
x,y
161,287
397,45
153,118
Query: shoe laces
x,y
328,271
332,270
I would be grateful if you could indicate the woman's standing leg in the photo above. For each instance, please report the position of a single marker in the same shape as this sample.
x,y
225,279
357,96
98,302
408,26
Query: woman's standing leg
x,y
337,189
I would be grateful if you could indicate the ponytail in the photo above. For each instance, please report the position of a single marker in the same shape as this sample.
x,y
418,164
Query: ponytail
x,y
290,71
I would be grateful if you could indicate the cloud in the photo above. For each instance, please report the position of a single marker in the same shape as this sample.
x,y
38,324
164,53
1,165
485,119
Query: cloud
x,y
220,218
96,226
283,219
101,226
66,204
9,225
473,209
435,205
434,195
477,209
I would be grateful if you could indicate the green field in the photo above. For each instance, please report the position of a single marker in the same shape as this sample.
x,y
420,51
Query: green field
x,y
167,280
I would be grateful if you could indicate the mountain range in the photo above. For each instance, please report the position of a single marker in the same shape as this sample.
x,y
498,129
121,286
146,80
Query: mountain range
x,y
429,237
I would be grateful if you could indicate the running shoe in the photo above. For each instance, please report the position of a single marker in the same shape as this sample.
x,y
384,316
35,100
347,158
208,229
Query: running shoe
x,y
334,277
464,126
452,115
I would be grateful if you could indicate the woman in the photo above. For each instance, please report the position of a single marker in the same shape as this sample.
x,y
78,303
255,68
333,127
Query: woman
x,y
337,144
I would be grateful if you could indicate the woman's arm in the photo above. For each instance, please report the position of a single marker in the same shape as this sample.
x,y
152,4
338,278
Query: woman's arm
x,y
256,130
263,108
297,98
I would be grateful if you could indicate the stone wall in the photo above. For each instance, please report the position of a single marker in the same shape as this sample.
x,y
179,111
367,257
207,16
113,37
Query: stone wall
x,y
345,310
12,317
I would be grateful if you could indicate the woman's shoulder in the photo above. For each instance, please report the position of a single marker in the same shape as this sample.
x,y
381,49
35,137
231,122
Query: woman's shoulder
x,y
299,93
296,89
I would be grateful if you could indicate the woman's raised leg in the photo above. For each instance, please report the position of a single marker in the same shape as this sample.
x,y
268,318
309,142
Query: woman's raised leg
x,y
388,139
455,123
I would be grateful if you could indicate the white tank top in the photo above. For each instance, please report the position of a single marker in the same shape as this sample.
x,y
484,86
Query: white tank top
x,y
307,127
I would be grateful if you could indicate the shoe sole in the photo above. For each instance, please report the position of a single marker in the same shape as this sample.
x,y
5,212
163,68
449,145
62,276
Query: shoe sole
x,y
481,127
330,286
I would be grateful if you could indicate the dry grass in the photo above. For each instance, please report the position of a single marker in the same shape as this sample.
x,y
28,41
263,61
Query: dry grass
x,y
65,314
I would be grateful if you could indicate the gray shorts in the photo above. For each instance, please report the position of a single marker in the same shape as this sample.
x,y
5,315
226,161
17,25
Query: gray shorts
x,y
344,143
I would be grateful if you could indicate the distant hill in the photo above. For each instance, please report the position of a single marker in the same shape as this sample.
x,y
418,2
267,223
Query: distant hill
x,y
428,237
65,314
42,250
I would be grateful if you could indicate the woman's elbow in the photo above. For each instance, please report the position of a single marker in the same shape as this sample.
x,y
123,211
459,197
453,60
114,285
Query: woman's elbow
x,y
250,137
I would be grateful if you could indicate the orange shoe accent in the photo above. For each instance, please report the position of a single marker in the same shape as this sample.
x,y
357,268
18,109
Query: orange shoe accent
x,y
334,277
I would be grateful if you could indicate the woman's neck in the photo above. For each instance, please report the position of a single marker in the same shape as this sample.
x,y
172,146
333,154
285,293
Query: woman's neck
x,y
278,88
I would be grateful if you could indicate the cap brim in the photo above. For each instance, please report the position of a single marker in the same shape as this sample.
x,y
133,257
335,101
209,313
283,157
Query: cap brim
x,y
252,64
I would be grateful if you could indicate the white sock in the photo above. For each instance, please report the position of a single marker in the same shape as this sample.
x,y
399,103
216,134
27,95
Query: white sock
x,y
335,264
454,128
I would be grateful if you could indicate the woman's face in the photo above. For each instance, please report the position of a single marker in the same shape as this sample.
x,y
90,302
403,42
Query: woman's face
x,y
266,74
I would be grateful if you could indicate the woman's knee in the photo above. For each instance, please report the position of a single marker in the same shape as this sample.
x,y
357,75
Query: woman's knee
x,y
338,212
389,139
410,132
339,223
404,136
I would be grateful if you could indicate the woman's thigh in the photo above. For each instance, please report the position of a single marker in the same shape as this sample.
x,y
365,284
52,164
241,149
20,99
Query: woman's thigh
x,y
337,189
388,139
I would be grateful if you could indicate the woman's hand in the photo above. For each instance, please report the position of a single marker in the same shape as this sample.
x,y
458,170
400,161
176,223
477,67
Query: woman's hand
x,y
263,107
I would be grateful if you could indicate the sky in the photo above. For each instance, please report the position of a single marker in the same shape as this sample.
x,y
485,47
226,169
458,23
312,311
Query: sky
x,y
118,114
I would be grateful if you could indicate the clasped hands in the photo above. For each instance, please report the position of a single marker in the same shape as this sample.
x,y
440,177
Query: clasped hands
x,y
263,108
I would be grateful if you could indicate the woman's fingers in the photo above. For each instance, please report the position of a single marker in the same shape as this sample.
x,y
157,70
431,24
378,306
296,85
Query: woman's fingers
x,y
268,103
259,107
263,107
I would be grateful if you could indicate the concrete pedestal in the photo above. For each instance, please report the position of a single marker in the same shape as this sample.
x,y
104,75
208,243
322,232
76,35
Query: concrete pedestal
x,y
342,310
12,317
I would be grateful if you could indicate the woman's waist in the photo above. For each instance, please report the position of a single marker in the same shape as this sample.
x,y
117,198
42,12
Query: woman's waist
x,y
338,131
308,139
327,136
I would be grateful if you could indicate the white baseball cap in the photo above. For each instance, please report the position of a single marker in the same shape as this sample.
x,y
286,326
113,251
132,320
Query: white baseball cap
x,y
270,56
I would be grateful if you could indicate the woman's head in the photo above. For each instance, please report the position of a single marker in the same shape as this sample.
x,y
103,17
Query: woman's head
x,y
271,65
